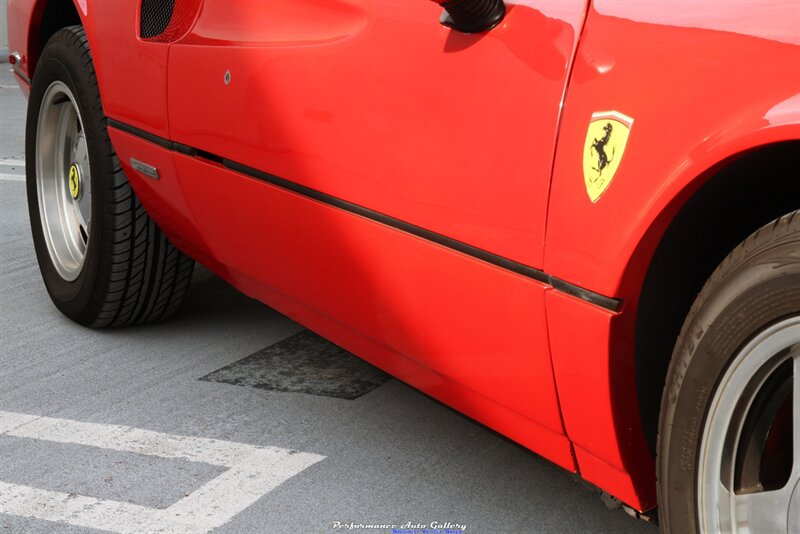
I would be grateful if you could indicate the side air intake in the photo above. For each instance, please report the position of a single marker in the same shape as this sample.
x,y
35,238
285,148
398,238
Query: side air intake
x,y
155,17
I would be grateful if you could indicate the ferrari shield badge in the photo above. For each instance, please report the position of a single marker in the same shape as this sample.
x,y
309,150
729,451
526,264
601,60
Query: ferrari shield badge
x,y
74,181
603,150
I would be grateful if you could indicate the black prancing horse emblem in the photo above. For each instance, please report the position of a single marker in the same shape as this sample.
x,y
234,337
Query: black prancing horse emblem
x,y
599,146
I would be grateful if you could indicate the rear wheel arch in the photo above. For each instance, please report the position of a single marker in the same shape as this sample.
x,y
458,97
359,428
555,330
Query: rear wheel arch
x,y
47,17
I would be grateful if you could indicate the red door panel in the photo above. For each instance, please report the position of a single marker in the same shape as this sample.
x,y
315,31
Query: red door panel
x,y
378,104
464,321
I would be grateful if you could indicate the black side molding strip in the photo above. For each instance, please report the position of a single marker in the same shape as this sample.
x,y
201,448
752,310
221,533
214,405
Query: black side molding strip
x,y
147,136
563,286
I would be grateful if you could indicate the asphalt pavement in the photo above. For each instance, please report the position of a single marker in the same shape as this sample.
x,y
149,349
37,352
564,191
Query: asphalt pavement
x,y
185,425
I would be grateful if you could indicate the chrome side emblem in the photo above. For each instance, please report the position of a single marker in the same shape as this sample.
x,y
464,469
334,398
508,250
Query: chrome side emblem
x,y
144,168
15,60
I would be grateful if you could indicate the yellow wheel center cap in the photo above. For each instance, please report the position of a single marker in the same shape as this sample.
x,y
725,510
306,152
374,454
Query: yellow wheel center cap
x,y
74,181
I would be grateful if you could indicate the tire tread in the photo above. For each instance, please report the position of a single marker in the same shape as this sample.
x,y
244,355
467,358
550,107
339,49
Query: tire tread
x,y
778,233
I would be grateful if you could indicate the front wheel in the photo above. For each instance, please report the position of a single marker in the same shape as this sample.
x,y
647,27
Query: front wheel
x,y
103,260
729,433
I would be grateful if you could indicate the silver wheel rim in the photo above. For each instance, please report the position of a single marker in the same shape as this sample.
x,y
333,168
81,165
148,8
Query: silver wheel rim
x,y
749,461
63,180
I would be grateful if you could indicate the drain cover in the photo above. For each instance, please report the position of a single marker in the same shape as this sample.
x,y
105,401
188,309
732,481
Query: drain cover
x,y
303,363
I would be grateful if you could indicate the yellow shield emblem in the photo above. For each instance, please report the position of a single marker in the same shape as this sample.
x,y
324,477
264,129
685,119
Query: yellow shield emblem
x,y
74,181
603,150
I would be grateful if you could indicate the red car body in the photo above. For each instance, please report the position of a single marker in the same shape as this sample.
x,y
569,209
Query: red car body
x,y
416,194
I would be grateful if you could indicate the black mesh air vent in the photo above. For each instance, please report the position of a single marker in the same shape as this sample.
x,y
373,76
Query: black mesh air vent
x,y
155,18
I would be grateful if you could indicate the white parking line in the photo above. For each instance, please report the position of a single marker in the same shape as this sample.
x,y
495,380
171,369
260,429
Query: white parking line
x,y
18,165
253,471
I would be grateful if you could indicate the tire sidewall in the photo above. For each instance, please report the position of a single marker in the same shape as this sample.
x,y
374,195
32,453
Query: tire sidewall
x,y
62,61
751,297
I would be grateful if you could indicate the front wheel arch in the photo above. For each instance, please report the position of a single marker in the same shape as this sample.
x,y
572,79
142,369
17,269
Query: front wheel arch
x,y
738,197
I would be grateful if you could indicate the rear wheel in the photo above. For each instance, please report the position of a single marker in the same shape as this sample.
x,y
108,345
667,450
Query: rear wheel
x,y
103,260
729,435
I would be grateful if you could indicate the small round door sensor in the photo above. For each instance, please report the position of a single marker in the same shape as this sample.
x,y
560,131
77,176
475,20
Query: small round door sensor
x,y
227,77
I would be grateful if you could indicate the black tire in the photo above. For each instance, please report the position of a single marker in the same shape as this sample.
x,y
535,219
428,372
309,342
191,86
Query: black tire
x,y
131,273
756,287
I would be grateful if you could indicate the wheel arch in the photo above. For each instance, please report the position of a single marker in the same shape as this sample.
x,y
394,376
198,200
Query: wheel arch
x,y
713,213
47,17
